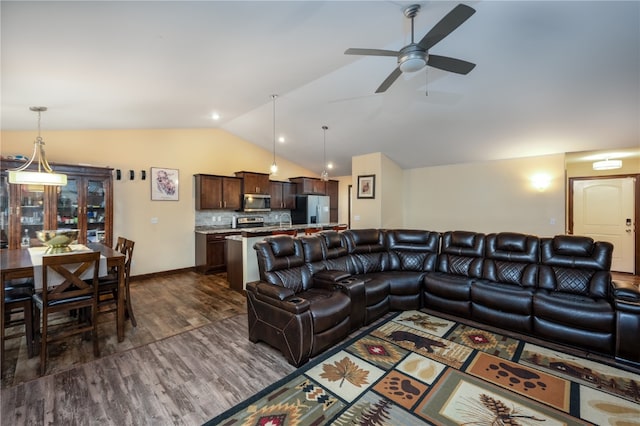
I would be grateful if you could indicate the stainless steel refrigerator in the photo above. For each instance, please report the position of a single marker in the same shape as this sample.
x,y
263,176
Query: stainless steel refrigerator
x,y
311,209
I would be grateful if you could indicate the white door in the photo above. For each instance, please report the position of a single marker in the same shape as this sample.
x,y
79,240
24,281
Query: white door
x,y
603,209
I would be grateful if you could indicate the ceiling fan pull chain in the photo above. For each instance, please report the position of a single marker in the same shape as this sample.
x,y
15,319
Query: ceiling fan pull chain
x,y
426,78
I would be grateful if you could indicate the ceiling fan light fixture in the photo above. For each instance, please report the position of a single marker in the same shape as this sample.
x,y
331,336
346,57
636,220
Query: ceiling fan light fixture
x,y
607,164
413,63
45,174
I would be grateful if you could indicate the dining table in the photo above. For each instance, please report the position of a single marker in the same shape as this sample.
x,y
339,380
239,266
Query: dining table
x,y
17,263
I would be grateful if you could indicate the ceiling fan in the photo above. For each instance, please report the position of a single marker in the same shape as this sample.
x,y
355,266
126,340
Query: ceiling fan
x,y
415,56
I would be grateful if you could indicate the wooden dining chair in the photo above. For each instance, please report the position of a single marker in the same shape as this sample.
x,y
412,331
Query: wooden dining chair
x,y
64,289
292,232
309,231
108,285
18,310
339,227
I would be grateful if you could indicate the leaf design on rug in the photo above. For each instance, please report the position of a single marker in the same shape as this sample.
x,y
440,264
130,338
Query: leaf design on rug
x,y
345,369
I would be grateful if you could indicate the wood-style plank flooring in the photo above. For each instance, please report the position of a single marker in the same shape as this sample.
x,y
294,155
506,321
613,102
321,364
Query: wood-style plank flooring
x,y
186,361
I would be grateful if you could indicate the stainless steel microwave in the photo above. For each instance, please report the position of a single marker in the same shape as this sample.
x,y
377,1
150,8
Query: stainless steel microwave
x,y
256,203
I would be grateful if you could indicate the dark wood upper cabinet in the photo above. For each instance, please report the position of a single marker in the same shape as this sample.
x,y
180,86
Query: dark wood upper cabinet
x,y
283,195
311,186
218,192
254,183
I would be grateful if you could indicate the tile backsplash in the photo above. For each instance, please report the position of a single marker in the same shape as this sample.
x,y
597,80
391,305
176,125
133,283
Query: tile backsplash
x,y
222,218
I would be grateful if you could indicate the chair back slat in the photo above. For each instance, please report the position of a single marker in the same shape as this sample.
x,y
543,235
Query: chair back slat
x,y
71,268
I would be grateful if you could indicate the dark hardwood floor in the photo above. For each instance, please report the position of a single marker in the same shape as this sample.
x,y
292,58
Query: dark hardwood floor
x,y
188,360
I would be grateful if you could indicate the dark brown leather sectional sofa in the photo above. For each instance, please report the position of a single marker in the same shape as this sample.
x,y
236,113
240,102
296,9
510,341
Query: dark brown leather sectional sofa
x,y
315,290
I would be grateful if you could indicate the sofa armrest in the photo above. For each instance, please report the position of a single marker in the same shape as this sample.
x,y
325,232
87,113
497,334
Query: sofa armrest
x,y
279,297
331,275
627,307
626,292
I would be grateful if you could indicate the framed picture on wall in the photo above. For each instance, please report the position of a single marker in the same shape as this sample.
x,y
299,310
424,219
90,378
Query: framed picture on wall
x,y
164,184
367,186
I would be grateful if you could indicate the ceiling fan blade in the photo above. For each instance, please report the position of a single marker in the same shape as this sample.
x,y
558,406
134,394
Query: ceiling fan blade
x,y
450,22
371,52
389,80
450,64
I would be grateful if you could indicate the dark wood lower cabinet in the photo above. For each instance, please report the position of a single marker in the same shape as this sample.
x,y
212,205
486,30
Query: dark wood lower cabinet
x,y
211,252
234,265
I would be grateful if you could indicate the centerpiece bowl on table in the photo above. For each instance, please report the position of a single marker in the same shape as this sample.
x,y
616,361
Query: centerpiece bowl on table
x,y
58,240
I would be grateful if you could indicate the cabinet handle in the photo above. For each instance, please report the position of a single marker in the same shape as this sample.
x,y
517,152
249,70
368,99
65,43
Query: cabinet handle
x,y
220,204
225,204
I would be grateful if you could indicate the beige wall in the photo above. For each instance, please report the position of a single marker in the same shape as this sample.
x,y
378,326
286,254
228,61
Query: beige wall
x,y
487,197
366,213
169,244
391,195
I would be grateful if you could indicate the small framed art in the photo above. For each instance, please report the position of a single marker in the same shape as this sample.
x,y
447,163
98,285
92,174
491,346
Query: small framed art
x,y
164,184
367,186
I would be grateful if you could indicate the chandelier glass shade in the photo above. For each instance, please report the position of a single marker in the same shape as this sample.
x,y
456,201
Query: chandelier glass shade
x,y
44,174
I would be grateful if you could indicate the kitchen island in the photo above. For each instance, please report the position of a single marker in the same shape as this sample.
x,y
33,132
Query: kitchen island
x,y
242,262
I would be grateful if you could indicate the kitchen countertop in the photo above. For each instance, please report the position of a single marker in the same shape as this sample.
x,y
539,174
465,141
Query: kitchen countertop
x,y
260,230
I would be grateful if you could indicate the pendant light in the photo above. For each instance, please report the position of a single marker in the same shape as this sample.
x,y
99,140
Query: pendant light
x,y
45,174
274,166
324,175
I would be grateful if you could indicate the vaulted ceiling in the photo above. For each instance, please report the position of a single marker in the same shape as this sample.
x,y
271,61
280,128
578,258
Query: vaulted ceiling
x,y
551,76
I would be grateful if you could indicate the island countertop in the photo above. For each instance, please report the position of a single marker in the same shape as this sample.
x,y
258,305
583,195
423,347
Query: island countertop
x,y
262,230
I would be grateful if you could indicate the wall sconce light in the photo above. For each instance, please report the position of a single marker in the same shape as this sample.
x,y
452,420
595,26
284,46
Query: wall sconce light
x,y
541,181
118,174
143,174
132,175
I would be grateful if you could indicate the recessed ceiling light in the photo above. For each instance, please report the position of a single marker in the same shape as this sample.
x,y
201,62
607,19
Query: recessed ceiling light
x,y
330,166
215,116
281,139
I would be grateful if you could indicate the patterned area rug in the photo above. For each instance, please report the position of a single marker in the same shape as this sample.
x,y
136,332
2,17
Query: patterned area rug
x,y
417,369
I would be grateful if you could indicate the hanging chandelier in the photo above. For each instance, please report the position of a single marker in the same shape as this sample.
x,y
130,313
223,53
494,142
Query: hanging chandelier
x,y
45,174
324,175
274,167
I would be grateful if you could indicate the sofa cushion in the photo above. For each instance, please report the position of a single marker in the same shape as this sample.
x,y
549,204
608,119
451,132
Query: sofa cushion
x,y
576,265
412,250
462,253
328,308
575,311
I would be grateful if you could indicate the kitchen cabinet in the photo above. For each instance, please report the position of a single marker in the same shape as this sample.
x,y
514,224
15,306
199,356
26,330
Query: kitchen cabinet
x,y
306,185
211,252
283,195
254,183
218,192
85,203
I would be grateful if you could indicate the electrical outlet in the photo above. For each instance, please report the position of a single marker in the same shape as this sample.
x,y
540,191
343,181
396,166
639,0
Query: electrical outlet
x,y
356,217
154,220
